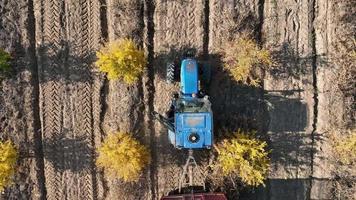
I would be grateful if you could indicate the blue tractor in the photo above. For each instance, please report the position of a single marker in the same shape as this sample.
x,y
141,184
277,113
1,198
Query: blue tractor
x,y
190,124
190,119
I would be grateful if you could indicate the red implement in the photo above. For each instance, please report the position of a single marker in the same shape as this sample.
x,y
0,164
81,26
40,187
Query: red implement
x,y
211,196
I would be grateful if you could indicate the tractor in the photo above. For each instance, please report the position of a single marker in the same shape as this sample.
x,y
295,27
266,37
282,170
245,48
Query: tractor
x,y
189,120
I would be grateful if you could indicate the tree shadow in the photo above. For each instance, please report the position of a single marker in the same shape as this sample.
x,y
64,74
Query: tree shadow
x,y
348,16
290,64
293,189
280,119
73,154
290,114
132,190
65,62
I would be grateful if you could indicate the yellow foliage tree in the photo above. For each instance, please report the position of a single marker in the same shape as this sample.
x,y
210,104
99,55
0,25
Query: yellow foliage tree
x,y
245,157
345,148
8,159
122,59
244,60
123,157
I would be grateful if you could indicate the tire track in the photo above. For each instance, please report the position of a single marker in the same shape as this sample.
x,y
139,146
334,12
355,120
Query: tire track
x,y
75,164
191,25
289,29
51,89
98,109
52,117
86,102
89,38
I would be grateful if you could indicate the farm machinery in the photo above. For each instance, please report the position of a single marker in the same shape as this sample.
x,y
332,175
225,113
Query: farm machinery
x,y
189,121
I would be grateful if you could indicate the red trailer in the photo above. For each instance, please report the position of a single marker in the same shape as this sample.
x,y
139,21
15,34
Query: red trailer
x,y
200,196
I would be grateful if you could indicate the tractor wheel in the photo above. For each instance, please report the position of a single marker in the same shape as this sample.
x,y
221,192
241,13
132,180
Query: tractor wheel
x,y
206,73
170,73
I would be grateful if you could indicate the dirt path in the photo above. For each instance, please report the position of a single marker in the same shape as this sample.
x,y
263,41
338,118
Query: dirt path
x,y
297,72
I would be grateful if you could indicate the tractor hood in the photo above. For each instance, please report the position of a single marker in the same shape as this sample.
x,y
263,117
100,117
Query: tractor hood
x,y
189,77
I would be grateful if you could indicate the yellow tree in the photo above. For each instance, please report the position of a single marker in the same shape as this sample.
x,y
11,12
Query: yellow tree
x,y
122,156
244,60
245,157
8,159
122,59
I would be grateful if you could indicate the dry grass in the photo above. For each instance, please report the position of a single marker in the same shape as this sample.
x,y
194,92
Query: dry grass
x,y
246,61
121,156
344,145
344,159
345,58
122,59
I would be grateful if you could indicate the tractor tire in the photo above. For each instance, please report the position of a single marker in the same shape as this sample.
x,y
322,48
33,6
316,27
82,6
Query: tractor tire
x,y
170,72
206,73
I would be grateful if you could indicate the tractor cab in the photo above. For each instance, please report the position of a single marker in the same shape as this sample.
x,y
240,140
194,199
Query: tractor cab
x,y
193,124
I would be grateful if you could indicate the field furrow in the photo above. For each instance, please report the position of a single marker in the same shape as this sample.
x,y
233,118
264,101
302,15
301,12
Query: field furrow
x,y
51,65
125,102
19,120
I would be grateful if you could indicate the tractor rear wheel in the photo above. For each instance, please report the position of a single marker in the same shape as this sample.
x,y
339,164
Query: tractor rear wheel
x,y
170,72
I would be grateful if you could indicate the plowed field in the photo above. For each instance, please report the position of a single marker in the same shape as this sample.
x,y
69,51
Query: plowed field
x,y
58,107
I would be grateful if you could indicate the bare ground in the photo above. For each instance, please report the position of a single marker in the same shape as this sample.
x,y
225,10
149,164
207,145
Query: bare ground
x,y
58,108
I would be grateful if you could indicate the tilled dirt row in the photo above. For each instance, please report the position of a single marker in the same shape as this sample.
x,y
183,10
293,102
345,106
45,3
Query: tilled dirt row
x,y
18,105
58,108
67,34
